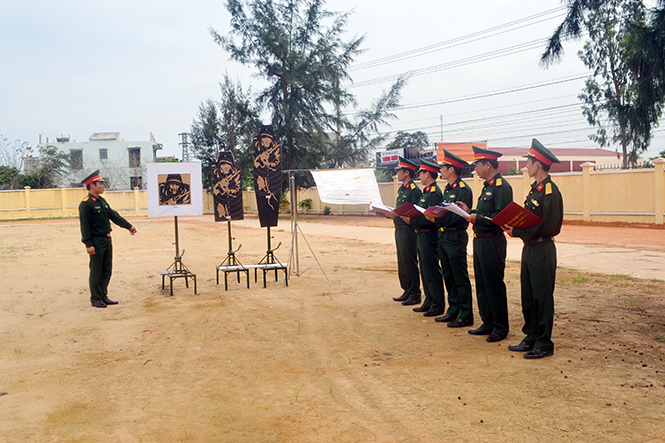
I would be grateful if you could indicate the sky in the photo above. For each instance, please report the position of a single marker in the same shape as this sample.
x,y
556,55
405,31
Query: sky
x,y
142,67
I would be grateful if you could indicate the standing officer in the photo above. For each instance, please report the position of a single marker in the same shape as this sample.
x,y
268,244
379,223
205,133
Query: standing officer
x,y
489,247
405,235
453,240
538,273
428,256
94,215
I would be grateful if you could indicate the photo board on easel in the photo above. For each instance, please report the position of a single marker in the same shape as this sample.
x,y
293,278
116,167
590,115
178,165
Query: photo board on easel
x,y
174,189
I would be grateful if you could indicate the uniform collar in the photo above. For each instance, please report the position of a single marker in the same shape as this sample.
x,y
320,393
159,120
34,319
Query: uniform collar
x,y
537,186
492,180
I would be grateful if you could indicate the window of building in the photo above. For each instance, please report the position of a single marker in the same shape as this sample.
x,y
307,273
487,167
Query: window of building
x,y
76,159
103,154
136,182
134,157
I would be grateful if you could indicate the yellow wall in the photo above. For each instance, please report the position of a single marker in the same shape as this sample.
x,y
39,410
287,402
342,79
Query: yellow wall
x,y
635,196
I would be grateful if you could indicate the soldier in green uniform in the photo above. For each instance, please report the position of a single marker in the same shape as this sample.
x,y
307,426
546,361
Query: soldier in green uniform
x,y
426,238
538,273
489,247
94,216
453,240
405,235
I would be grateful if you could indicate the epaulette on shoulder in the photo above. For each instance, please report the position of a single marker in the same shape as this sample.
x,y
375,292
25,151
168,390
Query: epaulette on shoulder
x,y
86,199
462,185
499,182
413,186
548,189
432,189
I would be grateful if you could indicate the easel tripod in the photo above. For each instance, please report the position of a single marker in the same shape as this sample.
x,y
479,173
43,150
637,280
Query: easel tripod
x,y
177,269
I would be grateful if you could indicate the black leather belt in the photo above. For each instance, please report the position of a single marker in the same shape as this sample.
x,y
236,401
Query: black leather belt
x,y
398,227
450,229
538,240
488,235
422,231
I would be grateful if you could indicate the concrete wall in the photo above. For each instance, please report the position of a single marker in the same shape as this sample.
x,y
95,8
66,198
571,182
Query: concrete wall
x,y
633,196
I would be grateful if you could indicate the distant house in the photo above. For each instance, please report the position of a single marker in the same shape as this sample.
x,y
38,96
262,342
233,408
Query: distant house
x,y
122,164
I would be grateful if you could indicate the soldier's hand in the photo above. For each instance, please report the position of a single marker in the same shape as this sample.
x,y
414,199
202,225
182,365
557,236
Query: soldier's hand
x,y
90,250
508,230
463,205
430,218
132,230
472,219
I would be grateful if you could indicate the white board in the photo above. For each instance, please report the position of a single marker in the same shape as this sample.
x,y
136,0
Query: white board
x,y
347,186
174,189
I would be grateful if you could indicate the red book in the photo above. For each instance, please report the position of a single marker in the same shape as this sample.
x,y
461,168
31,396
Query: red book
x,y
409,210
516,216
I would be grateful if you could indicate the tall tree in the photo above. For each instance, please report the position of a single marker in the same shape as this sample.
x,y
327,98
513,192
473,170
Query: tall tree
x,y
626,54
610,94
364,135
239,122
297,46
416,139
206,138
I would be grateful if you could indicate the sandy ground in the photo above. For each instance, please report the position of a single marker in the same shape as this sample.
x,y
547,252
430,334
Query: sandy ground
x,y
318,361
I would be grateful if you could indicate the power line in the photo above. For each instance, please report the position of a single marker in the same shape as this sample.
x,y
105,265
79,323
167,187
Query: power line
x,y
503,52
469,38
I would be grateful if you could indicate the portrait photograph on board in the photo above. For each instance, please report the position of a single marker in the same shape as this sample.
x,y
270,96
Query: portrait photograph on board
x,y
174,189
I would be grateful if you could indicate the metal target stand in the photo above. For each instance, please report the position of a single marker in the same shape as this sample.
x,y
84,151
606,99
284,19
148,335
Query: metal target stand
x,y
295,228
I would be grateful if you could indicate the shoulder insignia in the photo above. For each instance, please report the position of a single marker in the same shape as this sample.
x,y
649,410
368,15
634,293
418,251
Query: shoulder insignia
x,y
548,189
491,182
86,199
462,185
499,182
432,189
540,187
413,186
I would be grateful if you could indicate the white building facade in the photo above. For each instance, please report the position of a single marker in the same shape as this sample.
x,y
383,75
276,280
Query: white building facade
x,y
122,163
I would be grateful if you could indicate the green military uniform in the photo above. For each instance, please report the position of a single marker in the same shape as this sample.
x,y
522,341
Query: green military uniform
x,y
538,271
407,250
489,255
94,216
452,243
428,256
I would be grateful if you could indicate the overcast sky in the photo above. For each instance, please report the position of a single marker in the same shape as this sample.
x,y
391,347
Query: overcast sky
x,y
141,67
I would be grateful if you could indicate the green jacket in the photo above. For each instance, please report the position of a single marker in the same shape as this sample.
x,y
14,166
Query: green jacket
x,y
94,216
545,201
406,193
432,196
495,196
455,192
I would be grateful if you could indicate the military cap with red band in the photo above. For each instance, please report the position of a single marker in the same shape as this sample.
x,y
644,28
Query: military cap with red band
x,y
452,160
485,154
406,164
429,166
541,153
94,177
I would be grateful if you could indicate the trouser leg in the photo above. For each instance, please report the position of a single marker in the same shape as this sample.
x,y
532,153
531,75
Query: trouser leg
x,y
459,292
430,271
407,262
541,258
492,258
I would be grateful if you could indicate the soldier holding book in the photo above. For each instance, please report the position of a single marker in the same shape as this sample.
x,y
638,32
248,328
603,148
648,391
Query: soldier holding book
x,y
490,247
538,269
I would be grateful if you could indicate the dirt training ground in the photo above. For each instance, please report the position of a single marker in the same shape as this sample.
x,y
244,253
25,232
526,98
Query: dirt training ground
x,y
316,361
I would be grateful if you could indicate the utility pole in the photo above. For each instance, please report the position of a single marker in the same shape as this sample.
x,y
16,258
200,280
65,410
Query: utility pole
x,y
184,145
441,127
